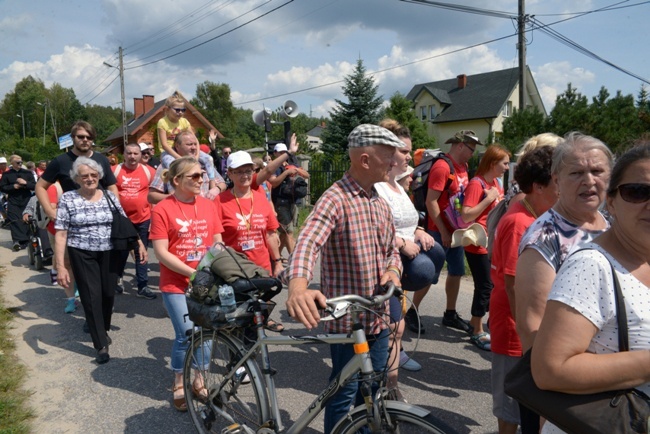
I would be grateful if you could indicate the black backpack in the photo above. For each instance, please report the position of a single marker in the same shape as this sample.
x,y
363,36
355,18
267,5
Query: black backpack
x,y
293,188
421,179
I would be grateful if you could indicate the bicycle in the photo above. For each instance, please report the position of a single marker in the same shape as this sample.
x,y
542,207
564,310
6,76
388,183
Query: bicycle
x,y
242,397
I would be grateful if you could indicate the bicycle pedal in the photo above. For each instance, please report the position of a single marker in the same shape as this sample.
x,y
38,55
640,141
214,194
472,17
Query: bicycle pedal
x,y
235,428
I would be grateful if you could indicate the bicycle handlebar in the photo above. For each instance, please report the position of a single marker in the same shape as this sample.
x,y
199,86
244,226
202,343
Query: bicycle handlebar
x,y
338,306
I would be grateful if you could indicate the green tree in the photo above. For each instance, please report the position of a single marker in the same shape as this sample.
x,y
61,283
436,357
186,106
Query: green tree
x,y
214,102
615,120
520,126
104,119
401,109
571,112
363,107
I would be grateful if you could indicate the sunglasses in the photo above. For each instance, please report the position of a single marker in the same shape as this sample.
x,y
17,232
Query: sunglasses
x,y
82,137
18,162
469,147
177,110
634,192
196,177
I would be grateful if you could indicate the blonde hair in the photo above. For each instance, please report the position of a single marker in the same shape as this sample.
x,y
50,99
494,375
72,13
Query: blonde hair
x,y
179,166
544,139
258,163
176,97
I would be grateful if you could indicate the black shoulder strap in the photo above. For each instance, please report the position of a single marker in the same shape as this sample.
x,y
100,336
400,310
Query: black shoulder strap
x,y
452,171
621,314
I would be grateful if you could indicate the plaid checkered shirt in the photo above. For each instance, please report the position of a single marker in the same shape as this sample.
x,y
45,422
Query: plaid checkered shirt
x,y
355,235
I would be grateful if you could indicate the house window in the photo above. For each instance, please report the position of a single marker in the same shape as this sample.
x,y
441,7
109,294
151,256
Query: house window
x,y
423,113
432,112
507,110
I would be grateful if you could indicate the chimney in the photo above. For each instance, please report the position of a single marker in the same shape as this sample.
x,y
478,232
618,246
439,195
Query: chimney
x,y
462,81
138,107
148,103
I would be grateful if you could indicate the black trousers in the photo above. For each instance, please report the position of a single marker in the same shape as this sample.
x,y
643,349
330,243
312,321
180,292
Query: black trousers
x,y
96,277
19,230
479,265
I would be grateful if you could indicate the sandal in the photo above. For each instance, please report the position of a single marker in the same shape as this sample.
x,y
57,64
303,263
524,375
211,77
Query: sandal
x,y
482,341
274,326
180,404
200,394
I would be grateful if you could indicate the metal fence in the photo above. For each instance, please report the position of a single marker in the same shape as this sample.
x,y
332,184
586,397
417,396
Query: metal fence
x,y
322,174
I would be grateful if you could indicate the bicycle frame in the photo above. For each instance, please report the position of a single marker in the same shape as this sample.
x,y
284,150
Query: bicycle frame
x,y
360,363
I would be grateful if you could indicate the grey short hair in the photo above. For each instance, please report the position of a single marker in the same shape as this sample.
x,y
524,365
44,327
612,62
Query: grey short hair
x,y
576,140
85,161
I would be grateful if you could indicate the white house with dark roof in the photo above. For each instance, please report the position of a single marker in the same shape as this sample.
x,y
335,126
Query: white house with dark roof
x,y
479,102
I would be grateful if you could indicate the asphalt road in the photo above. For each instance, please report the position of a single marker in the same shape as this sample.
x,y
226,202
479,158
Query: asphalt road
x,y
131,394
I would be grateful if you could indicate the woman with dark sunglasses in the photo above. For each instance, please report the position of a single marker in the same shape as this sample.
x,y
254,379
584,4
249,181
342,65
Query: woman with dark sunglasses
x,y
183,227
587,360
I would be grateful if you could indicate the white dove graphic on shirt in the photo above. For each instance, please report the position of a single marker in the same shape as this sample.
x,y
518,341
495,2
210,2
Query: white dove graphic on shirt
x,y
243,220
126,180
184,224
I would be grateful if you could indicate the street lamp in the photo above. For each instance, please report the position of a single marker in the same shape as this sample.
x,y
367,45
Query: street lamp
x,y
44,119
22,116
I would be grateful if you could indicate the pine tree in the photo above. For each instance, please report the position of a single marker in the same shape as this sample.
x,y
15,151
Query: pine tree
x,y
363,107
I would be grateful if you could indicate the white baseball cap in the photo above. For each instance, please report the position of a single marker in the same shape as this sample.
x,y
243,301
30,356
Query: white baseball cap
x,y
143,146
280,147
238,159
3,160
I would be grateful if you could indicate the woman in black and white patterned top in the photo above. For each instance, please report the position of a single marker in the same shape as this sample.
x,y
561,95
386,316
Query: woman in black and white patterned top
x,y
83,224
587,360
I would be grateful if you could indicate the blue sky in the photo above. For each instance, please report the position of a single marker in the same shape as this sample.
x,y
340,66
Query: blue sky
x,y
307,44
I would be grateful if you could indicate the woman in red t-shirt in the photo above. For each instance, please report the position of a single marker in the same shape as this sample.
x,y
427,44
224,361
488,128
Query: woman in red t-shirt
x,y
248,219
183,227
482,194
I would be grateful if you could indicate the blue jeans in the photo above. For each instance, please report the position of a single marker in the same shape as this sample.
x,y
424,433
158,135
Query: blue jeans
x,y
455,256
423,270
141,273
177,308
340,403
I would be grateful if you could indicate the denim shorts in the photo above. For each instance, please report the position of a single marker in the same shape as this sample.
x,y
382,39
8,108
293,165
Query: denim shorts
x,y
455,256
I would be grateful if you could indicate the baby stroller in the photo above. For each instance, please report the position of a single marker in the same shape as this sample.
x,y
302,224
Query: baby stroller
x,y
39,250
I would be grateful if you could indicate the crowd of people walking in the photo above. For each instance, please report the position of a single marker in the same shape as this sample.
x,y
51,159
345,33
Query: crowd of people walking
x,y
571,210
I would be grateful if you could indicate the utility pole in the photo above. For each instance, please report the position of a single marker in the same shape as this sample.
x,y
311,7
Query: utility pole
x,y
124,133
521,47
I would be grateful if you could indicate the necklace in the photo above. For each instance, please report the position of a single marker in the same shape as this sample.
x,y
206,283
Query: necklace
x,y
529,207
248,218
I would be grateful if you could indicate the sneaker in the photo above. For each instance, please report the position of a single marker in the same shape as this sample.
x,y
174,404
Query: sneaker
x,y
16,246
242,376
71,305
405,362
454,321
482,341
412,321
146,293
119,289
53,277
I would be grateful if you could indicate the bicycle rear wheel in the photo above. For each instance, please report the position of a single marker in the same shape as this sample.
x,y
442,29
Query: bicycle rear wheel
x,y
396,421
240,400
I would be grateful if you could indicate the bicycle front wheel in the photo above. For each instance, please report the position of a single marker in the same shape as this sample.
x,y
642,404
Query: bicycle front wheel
x,y
395,421
240,400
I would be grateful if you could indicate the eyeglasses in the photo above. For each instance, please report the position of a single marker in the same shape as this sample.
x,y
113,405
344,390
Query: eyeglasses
x,y
89,176
248,172
82,137
18,162
634,192
177,110
469,147
226,153
196,177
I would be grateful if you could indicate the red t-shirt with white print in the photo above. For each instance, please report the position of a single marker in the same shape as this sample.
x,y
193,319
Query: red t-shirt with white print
x,y
133,186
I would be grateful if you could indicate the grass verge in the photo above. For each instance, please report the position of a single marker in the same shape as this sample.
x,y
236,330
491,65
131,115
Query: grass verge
x,y
15,413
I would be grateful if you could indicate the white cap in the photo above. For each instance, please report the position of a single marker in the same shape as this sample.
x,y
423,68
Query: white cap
x,y
143,146
406,173
3,160
280,147
475,234
238,159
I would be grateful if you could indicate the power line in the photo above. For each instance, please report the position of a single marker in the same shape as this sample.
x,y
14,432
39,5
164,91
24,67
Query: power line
x,y
381,71
202,34
461,8
102,91
97,85
605,9
216,37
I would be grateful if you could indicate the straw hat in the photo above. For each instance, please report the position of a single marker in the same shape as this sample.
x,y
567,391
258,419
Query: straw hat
x,y
473,235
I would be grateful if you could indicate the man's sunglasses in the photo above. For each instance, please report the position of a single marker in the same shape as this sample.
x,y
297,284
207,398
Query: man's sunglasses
x,y
82,137
634,192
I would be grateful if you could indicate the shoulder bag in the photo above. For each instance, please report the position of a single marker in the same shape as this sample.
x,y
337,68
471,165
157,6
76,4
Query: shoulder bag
x,y
615,412
124,235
